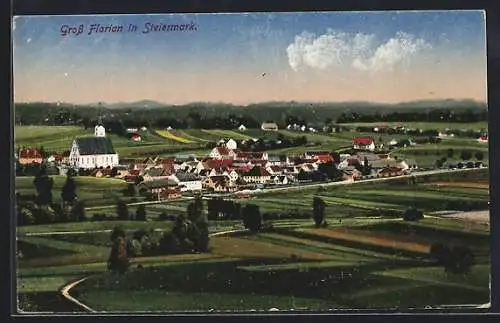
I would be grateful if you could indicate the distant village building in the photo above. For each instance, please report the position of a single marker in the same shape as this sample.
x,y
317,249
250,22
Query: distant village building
x,y
364,143
136,137
269,126
30,156
99,131
242,128
132,130
93,152
231,144
483,139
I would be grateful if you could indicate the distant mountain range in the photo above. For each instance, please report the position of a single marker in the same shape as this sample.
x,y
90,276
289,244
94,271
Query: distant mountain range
x,y
151,104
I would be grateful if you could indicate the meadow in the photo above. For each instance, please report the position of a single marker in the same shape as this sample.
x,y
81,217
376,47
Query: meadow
x,y
295,272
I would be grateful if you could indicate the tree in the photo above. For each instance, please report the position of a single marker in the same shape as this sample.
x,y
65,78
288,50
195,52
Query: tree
x,y
412,214
78,212
118,259
330,171
252,219
122,210
456,259
318,211
140,214
68,193
479,155
439,163
43,184
450,153
117,233
465,155
131,190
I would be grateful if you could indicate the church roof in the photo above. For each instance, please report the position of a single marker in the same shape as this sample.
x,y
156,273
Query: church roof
x,y
95,146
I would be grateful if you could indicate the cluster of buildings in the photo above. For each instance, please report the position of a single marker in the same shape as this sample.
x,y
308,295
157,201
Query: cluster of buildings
x,y
226,168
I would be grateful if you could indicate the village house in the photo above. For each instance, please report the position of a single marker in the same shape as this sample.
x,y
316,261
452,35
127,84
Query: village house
x,y
364,143
280,180
219,184
93,152
274,170
257,175
220,153
350,174
187,181
101,172
155,173
30,156
135,137
390,172
269,126
161,188
231,144
99,131
242,128
132,130
483,139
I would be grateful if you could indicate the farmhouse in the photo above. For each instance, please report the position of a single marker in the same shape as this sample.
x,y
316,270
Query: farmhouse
x,y
136,137
483,139
155,173
257,174
93,152
99,131
187,181
269,126
231,144
30,156
220,153
158,187
390,171
364,143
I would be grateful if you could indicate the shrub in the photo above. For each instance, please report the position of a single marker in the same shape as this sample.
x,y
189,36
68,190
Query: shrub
x,y
118,258
412,214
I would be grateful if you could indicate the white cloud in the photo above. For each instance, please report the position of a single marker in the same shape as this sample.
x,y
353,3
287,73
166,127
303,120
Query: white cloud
x,y
360,51
28,40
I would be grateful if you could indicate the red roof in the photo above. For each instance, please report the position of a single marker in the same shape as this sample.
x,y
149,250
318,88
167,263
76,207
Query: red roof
x,y
136,135
484,137
324,158
223,163
223,151
363,141
30,153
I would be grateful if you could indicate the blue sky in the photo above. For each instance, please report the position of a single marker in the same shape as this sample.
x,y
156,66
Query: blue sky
x,y
223,60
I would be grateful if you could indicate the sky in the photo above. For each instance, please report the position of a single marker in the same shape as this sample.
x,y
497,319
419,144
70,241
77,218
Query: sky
x,y
257,57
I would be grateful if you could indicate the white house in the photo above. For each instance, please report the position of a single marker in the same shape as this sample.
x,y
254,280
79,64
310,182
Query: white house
x,y
269,126
93,152
364,143
187,181
99,131
242,128
231,144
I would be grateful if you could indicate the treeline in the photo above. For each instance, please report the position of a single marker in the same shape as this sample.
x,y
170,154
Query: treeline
x,y
225,116
437,115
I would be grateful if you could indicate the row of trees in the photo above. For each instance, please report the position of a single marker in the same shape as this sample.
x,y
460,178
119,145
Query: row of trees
x,y
224,116
42,209
435,115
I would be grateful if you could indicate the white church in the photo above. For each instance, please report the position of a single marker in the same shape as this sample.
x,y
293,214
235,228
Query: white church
x,y
93,152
